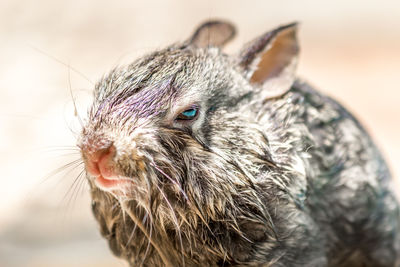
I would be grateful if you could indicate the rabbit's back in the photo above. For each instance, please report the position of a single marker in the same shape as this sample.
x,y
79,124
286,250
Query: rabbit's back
x,y
349,194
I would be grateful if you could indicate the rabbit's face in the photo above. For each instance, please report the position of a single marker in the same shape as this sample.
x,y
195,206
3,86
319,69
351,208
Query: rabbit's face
x,y
170,143
150,120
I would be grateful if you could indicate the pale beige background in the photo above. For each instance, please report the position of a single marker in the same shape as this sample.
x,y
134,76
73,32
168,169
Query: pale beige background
x,y
350,50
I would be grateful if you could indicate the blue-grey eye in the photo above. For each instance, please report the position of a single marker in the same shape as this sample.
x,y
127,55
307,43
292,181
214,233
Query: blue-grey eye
x,y
188,114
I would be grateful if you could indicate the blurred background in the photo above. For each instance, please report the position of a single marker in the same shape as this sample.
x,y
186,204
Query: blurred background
x,y
53,50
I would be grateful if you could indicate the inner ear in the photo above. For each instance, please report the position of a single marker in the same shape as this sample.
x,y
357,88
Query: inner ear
x,y
282,51
212,33
270,61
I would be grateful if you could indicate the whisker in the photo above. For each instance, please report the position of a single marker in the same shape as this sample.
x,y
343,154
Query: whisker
x,y
172,180
82,184
62,63
131,235
77,189
69,154
148,243
149,214
134,228
175,221
73,187
77,180
76,113
58,147
198,212
115,205
73,164
143,229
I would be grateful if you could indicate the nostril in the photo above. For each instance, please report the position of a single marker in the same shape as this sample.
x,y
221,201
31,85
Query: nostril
x,y
107,152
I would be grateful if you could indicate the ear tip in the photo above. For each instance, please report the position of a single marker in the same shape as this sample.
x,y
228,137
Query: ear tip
x,y
293,25
212,22
213,33
227,25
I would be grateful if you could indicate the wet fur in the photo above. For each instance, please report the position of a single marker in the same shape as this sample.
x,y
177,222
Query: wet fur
x,y
291,181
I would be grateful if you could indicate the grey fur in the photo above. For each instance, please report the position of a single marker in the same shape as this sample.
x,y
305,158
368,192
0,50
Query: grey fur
x,y
289,181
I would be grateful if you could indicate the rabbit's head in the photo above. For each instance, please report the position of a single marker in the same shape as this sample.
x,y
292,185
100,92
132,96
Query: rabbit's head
x,y
174,153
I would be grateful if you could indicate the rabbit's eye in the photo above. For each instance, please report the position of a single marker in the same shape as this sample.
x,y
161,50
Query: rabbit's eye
x,y
188,114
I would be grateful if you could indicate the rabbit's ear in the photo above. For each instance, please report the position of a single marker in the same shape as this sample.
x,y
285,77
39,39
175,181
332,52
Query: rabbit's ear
x,y
212,33
270,60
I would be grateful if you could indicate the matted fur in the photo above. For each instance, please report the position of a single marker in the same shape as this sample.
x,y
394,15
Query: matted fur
x,y
289,181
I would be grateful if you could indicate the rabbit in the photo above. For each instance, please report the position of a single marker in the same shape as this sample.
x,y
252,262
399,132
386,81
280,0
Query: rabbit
x,y
199,158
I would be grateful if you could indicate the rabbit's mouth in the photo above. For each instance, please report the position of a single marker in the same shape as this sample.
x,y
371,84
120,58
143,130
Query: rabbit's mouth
x,y
113,184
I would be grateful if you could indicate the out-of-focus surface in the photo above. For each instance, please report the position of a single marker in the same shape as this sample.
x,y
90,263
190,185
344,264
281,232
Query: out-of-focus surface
x,y
350,50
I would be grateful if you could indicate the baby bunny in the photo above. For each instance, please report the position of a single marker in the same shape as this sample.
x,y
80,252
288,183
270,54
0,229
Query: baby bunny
x,y
199,158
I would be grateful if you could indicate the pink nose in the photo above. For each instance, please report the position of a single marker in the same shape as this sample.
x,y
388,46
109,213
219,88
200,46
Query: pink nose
x,y
101,165
100,162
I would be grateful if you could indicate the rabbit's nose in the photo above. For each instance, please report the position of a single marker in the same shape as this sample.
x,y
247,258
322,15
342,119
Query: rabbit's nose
x,y
100,164
100,161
